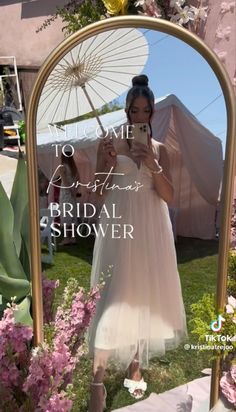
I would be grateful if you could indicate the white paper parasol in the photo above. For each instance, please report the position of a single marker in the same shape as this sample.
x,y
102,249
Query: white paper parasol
x,y
93,73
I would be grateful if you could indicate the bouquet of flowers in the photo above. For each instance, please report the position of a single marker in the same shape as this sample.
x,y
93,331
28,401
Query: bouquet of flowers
x,y
79,13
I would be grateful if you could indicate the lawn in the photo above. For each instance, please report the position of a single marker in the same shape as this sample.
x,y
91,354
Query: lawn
x,y
197,263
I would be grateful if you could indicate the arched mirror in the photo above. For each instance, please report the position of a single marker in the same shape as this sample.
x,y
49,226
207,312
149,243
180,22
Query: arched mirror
x,y
80,95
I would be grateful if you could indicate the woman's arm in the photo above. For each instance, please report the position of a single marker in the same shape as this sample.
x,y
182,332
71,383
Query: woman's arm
x,y
162,178
160,169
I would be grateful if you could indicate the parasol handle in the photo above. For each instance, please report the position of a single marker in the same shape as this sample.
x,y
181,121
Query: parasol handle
x,y
112,153
93,108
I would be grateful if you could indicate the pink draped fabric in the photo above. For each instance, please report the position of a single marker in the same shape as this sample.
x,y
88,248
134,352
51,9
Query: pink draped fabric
x,y
219,33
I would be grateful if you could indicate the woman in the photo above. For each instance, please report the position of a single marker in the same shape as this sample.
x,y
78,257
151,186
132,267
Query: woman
x,y
69,175
140,313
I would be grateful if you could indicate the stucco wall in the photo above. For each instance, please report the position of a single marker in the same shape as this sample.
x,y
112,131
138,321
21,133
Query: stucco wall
x,y
19,21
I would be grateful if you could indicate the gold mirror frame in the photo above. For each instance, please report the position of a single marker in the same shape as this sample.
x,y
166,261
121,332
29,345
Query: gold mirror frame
x,y
227,185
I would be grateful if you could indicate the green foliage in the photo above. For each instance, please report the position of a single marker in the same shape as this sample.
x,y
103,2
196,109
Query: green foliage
x,y
49,333
19,200
87,12
22,131
204,313
231,287
9,257
107,108
77,14
232,264
14,246
232,274
81,383
11,287
72,287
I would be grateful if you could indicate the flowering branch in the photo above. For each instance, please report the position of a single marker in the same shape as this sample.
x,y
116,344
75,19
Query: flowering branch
x,y
76,14
177,11
40,379
79,13
228,385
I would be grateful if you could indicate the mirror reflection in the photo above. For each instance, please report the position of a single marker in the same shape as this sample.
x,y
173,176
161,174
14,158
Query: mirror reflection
x,y
131,129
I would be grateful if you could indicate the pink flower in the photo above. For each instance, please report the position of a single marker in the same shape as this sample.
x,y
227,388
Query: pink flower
x,y
56,403
233,372
41,376
70,322
225,7
228,387
14,350
149,7
223,33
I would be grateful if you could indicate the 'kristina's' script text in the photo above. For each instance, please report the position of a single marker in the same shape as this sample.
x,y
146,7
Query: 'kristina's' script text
x,y
96,184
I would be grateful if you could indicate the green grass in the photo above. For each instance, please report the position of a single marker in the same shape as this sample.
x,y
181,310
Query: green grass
x,y
197,263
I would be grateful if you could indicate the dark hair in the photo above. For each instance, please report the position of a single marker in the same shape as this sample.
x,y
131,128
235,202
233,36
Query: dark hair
x,y
140,89
68,160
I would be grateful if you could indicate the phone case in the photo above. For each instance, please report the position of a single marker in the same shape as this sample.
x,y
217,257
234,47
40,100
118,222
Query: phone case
x,y
140,132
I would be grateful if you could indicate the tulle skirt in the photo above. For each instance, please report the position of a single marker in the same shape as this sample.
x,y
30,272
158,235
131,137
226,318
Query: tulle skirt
x,y
141,310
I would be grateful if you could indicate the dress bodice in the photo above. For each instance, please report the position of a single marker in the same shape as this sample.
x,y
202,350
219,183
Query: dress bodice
x,y
131,173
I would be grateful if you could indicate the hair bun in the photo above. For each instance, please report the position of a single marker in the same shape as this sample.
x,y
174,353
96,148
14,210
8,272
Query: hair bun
x,y
141,80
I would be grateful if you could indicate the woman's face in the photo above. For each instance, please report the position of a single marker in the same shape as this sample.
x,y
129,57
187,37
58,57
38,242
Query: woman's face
x,y
140,111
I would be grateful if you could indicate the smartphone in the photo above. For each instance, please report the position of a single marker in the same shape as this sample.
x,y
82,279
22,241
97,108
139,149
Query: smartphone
x,y
140,133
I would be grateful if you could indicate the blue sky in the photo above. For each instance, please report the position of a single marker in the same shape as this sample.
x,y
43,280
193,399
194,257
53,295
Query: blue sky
x,y
173,67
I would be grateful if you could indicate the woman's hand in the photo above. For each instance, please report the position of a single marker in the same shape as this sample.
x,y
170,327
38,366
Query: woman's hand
x,y
107,153
145,153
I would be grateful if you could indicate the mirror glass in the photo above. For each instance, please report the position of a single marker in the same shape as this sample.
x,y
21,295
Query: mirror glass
x,y
190,120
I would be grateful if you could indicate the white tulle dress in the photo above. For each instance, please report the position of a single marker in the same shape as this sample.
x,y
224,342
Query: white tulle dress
x,y
141,308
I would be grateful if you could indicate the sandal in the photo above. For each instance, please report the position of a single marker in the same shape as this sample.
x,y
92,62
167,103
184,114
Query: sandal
x,y
134,386
105,393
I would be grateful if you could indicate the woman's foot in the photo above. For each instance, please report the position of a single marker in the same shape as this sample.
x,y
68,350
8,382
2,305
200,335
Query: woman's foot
x,y
135,382
98,396
134,371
